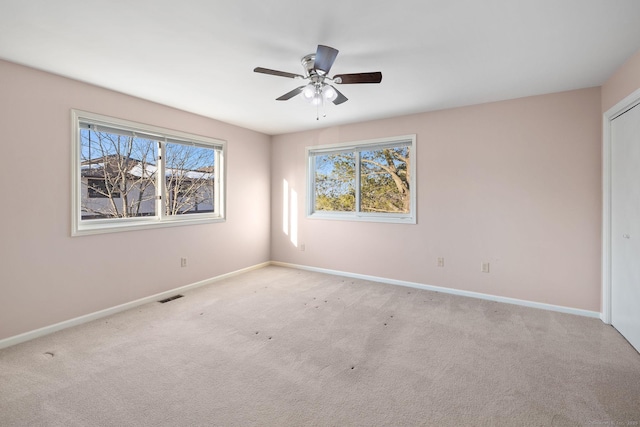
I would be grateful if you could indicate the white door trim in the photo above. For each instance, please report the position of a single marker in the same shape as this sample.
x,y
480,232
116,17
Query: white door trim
x,y
622,106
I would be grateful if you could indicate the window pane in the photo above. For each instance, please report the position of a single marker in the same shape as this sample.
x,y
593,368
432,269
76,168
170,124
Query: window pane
x,y
335,178
190,177
384,180
117,175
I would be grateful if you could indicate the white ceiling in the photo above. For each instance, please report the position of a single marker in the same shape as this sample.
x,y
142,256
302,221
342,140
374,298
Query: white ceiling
x,y
199,55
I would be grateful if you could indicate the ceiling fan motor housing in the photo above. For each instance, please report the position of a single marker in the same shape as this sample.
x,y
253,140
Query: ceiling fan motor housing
x,y
308,63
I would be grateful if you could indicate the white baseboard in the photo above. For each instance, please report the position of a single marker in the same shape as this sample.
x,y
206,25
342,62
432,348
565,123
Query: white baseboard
x,y
17,339
478,295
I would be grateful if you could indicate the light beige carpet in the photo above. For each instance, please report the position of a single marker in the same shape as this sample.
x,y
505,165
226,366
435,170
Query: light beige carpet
x,y
283,347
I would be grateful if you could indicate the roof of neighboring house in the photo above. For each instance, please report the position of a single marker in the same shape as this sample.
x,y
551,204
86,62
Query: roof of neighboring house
x,y
95,167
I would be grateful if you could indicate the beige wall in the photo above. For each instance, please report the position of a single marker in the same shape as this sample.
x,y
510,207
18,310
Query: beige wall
x,y
623,82
46,276
514,183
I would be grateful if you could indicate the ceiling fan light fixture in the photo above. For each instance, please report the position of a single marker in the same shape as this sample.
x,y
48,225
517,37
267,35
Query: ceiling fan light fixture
x,y
317,100
309,92
329,93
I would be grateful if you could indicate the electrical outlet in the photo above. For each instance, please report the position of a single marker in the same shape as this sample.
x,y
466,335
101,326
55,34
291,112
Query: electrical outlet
x,y
484,268
183,262
302,247
440,262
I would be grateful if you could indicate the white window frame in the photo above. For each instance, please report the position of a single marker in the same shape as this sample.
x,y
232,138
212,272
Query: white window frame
x,y
80,227
356,147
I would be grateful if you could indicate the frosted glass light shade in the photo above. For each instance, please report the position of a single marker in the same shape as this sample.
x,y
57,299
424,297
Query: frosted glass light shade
x,y
329,93
309,92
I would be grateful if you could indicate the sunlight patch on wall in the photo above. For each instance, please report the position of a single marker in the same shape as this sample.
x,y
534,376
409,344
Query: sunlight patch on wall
x,y
290,212
285,207
294,218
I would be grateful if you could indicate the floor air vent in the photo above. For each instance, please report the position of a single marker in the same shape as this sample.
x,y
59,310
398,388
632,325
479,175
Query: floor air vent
x,y
170,298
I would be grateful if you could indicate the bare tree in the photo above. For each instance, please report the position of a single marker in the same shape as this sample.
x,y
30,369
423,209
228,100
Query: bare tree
x,y
120,176
119,173
189,179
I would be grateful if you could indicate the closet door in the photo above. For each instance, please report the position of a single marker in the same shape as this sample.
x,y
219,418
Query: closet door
x,y
625,225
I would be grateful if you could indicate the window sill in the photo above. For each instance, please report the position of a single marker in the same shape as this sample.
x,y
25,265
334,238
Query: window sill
x,y
103,227
384,218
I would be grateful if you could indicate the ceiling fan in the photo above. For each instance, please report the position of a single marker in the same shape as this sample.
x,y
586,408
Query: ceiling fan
x,y
316,70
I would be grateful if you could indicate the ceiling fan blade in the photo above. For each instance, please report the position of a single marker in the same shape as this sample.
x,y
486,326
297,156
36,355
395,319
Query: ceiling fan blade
x,y
341,98
277,73
291,94
375,77
325,56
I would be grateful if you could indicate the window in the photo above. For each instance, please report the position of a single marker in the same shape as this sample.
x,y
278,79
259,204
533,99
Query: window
x,y
366,181
130,176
